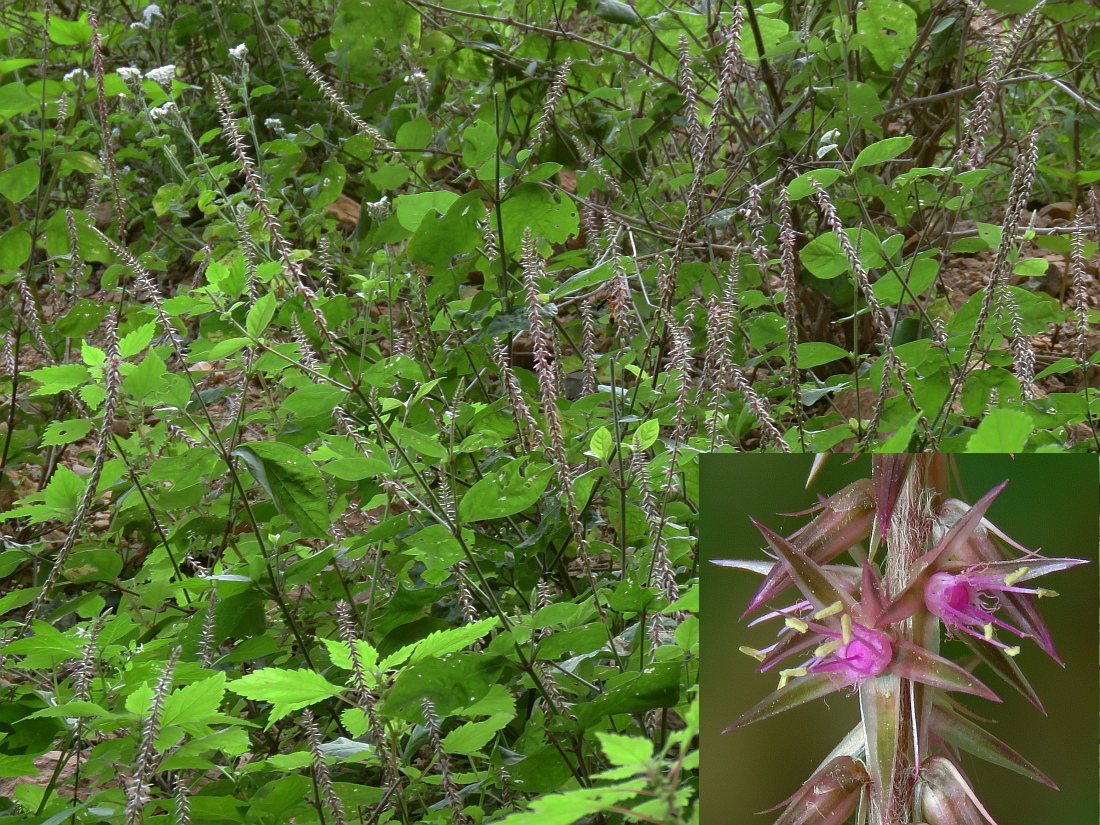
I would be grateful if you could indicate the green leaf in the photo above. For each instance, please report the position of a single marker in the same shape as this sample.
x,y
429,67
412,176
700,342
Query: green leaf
x,y
293,482
439,644
814,354
339,653
616,11
800,187
646,434
285,690
146,377
330,185
601,445
437,549
473,736
356,469
17,182
66,432
505,492
58,378
887,29
412,209
70,32
195,702
260,315
1001,431
1031,267
15,100
15,249
553,217
86,566
360,25
824,258
439,239
1062,365
882,151
136,340
626,751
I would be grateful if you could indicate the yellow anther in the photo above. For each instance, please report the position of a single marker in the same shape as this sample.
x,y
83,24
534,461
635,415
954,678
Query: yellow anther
x,y
1013,651
827,648
752,651
831,610
1042,591
786,675
846,628
988,630
1015,576
796,625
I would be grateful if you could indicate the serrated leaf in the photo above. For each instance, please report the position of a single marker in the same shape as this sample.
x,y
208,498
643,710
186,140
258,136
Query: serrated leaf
x,y
66,432
471,737
440,643
285,690
136,340
339,653
58,378
194,702
626,751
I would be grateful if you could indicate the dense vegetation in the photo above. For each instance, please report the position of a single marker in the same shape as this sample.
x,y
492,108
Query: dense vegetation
x,y
357,361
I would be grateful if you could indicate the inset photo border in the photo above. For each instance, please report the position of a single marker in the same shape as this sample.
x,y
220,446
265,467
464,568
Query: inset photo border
x,y
1049,506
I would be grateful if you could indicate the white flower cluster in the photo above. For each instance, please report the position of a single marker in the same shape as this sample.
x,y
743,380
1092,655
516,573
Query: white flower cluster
x,y
162,75
240,52
128,73
378,210
77,76
166,111
275,125
147,15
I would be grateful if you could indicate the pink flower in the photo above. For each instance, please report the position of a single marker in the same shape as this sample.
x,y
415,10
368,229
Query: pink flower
x,y
965,601
865,654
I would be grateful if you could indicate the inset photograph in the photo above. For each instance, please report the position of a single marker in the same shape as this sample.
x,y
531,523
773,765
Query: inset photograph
x,y
898,639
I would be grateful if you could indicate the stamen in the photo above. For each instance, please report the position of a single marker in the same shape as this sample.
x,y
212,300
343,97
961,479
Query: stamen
x,y
846,628
1015,576
1012,651
831,610
796,625
1042,591
824,650
790,673
753,652
988,631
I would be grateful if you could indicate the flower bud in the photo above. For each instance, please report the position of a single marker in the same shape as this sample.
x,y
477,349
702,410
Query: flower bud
x,y
829,796
947,798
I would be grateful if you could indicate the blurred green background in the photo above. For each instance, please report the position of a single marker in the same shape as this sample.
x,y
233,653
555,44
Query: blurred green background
x,y
1050,504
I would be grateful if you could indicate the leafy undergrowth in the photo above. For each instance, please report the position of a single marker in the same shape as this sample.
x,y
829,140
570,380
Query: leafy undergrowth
x,y
357,366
